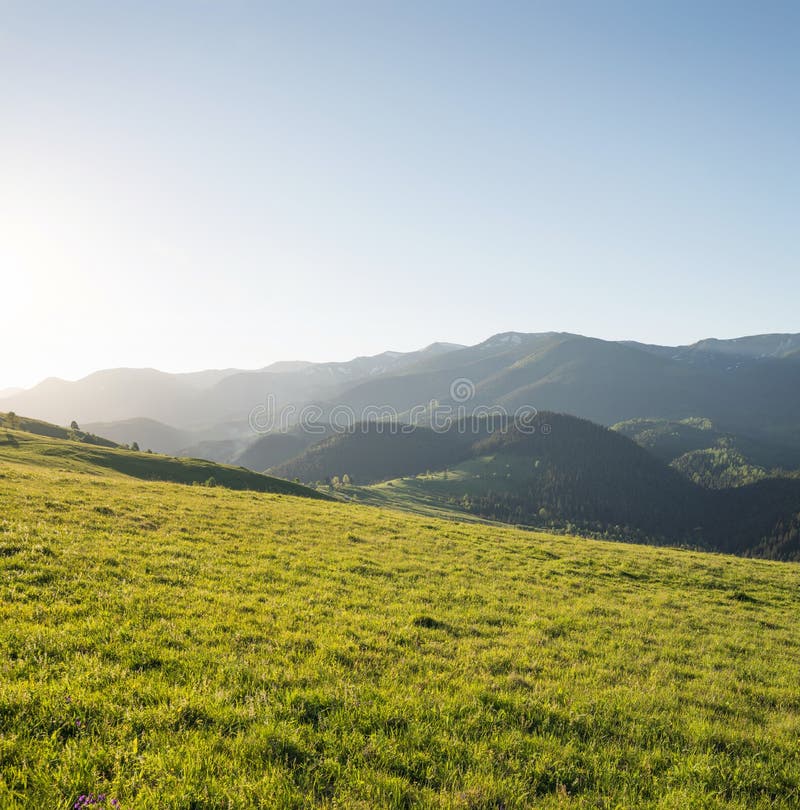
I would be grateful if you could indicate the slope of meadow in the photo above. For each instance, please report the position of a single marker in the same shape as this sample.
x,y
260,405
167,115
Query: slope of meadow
x,y
188,647
52,453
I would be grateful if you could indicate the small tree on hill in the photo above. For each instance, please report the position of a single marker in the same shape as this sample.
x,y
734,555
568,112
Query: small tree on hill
x,y
135,446
73,425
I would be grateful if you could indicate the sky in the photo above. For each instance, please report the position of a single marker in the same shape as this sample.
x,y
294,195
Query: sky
x,y
188,185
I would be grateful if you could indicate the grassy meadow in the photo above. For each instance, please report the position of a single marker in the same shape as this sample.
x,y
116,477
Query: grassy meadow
x,y
172,646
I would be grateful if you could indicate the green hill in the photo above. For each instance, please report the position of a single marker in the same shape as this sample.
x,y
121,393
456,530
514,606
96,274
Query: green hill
x,y
669,439
12,421
175,647
707,456
80,457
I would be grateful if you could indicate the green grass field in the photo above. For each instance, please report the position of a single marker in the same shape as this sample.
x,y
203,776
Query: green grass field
x,y
174,646
53,453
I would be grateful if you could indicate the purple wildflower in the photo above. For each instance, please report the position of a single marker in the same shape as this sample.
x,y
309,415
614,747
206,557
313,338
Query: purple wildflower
x,y
86,800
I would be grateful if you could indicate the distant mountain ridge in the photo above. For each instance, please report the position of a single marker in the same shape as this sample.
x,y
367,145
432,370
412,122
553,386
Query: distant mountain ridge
x,y
748,386
361,367
775,345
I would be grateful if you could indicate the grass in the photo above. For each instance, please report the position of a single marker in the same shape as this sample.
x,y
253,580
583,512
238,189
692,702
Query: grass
x,y
23,423
53,453
190,647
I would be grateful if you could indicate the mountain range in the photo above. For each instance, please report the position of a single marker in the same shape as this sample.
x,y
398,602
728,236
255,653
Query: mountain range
x,y
748,386
697,445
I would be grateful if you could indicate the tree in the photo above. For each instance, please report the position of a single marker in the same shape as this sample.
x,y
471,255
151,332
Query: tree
x,y
12,419
73,425
346,480
135,446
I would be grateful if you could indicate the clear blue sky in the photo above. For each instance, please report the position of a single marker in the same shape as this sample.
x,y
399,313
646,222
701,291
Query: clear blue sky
x,y
209,184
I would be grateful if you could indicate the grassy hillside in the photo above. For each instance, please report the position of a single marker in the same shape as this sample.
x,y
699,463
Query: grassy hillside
x,y
187,647
12,421
33,450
